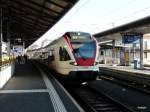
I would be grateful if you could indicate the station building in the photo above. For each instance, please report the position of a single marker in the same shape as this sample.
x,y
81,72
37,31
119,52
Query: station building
x,y
124,54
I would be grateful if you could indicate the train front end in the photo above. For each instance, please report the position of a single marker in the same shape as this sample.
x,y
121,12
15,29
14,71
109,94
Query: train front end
x,y
85,51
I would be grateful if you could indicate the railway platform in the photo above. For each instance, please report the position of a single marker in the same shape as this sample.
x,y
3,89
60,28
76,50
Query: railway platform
x,y
31,90
127,73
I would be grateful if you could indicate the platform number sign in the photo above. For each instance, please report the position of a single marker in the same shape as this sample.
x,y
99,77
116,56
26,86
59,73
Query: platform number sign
x,y
128,38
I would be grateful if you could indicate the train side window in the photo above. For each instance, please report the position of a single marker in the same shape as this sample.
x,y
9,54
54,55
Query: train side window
x,y
51,56
63,54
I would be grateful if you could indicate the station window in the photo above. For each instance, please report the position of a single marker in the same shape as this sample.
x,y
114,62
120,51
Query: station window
x,y
145,45
145,54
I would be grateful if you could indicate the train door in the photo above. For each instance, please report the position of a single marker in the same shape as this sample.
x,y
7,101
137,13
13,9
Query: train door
x,y
51,58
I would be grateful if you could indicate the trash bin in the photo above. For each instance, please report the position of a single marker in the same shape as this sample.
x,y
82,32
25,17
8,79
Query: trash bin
x,y
135,64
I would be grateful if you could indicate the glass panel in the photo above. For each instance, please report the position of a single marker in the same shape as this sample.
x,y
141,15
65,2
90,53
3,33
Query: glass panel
x,y
60,2
84,50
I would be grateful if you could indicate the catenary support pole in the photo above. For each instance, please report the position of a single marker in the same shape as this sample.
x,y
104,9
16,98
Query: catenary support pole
x,y
113,52
141,52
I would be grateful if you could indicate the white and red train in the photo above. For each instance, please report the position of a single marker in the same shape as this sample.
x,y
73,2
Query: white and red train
x,y
74,55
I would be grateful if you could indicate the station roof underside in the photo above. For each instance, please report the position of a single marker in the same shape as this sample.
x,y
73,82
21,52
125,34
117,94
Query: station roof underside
x,y
30,19
141,26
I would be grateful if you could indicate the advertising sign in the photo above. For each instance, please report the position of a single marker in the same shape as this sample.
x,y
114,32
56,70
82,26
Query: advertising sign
x,y
18,50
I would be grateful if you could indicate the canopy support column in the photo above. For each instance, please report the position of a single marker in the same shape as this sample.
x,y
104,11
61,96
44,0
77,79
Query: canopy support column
x,y
113,52
141,52
1,31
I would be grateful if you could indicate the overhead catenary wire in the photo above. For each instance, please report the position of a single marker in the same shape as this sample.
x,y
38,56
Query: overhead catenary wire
x,y
120,7
129,2
113,23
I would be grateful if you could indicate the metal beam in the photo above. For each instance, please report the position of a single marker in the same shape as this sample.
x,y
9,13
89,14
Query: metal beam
x,y
41,6
29,32
39,16
71,1
55,4
24,13
40,23
29,18
63,12
29,25
31,8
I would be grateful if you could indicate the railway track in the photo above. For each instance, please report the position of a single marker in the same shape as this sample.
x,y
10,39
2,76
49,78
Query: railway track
x,y
139,87
92,101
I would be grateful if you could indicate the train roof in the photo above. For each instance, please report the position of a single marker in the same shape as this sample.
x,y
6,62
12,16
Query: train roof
x,y
66,33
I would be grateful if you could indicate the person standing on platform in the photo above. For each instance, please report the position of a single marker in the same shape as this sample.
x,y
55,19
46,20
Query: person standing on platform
x,y
25,58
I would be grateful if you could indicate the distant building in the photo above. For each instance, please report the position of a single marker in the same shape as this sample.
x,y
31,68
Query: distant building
x,y
124,54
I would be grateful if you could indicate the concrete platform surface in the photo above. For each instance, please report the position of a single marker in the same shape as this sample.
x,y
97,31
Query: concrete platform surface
x,y
25,77
26,102
31,90
145,71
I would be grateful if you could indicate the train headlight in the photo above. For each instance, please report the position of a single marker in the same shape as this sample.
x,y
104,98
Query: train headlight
x,y
95,63
73,63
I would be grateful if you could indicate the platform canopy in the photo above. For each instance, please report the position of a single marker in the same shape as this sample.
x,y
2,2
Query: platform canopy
x,y
140,26
27,20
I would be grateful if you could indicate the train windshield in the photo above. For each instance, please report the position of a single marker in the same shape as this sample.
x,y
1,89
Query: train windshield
x,y
84,50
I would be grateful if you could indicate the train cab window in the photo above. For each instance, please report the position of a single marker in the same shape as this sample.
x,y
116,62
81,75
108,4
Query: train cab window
x,y
63,54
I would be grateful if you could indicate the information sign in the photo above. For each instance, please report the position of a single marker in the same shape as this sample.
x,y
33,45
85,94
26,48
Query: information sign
x,y
128,38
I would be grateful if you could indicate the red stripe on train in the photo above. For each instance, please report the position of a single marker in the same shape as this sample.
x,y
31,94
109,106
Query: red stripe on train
x,y
85,62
